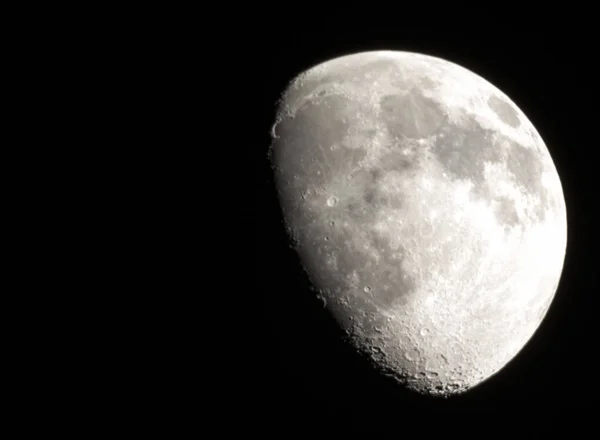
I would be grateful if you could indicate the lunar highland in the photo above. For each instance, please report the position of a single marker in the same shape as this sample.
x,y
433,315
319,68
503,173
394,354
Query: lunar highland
x,y
426,210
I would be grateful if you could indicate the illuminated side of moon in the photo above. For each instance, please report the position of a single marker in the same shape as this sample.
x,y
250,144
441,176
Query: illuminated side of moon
x,y
426,209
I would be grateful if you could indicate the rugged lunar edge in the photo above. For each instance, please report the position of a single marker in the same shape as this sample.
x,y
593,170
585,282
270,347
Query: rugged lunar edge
x,y
426,210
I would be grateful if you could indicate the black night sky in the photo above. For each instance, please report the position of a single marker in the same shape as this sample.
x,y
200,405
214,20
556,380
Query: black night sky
x,y
305,376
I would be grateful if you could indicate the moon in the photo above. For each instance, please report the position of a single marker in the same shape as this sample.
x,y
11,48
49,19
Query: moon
x,y
426,210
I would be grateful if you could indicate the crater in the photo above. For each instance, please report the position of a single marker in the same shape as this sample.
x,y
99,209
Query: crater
x,y
504,110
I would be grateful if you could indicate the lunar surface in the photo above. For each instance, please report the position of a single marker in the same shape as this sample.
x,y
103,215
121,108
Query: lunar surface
x,y
426,210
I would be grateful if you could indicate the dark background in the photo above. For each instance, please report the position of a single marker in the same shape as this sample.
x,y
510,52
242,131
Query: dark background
x,y
306,377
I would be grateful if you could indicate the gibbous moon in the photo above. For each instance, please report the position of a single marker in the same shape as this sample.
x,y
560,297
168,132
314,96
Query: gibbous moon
x,y
426,210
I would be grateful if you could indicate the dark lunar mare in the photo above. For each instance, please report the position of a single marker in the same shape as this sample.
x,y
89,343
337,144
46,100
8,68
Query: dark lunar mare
x,y
464,151
412,116
301,150
311,341
304,162
505,111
